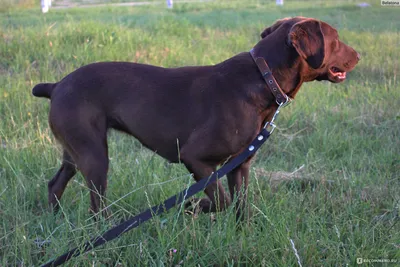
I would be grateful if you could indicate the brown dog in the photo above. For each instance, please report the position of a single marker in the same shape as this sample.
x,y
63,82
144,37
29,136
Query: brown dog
x,y
199,116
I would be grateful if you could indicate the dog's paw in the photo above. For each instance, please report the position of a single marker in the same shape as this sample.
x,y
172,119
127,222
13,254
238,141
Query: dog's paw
x,y
196,205
192,207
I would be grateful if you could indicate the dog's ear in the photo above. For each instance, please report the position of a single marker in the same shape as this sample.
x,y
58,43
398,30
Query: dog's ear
x,y
307,38
275,26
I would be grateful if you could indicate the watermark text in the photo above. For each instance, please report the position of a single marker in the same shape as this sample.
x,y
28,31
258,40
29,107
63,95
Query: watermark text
x,y
390,3
364,260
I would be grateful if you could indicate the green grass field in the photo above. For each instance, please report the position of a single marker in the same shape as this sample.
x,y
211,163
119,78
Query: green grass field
x,y
342,205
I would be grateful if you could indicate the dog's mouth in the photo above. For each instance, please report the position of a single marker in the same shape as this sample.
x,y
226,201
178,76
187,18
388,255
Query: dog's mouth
x,y
337,74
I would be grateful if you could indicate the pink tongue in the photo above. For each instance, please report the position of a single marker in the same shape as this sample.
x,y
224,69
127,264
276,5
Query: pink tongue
x,y
341,75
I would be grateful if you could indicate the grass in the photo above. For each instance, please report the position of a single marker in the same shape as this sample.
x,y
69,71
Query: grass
x,y
6,5
343,206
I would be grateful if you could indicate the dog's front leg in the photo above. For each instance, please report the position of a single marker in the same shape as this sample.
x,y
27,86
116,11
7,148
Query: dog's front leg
x,y
217,199
238,180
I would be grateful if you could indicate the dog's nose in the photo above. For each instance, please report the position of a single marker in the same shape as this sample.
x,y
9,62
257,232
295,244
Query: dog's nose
x,y
358,56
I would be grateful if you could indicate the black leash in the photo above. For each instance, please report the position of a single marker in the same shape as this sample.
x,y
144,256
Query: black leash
x,y
137,220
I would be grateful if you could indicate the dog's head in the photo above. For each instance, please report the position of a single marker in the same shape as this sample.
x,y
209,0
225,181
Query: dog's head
x,y
318,47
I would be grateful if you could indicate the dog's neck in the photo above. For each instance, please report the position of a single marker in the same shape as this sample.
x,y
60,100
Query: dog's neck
x,y
285,63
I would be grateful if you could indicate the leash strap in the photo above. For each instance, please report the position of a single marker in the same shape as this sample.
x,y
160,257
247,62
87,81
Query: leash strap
x,y
135,221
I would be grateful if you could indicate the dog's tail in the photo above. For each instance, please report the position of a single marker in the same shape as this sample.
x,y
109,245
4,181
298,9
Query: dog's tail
x,y
43,89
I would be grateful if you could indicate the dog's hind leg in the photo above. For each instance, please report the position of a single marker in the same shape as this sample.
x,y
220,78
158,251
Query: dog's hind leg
x,y
94,166
57,184
84,135
91,156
